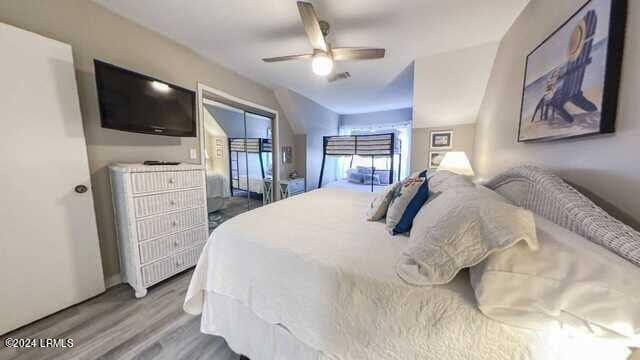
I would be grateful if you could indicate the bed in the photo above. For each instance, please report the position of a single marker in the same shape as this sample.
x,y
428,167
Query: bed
x,y
217,191
346,184
371,146
246,157
255,184
289,281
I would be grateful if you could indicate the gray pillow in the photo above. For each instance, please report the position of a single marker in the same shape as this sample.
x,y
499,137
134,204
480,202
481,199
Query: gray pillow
x,y
459,229
444,180
365,169
368,179
380,204
383,175
354,177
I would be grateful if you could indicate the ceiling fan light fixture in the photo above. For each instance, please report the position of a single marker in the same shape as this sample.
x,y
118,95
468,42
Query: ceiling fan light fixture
x,y
322,64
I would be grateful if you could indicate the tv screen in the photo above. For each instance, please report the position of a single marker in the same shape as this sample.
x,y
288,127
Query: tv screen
x,y
134,102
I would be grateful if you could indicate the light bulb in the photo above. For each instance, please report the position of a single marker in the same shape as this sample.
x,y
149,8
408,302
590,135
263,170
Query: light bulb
x,y
322,64
161,87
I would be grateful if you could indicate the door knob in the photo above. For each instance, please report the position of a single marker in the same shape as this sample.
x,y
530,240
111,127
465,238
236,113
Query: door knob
x,y
81,189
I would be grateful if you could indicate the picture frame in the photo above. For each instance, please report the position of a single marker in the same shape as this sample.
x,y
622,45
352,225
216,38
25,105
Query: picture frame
x,y
219,146
435,158
287,154
441,139
572,78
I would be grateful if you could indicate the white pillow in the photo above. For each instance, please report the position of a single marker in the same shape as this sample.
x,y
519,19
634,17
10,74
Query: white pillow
x,y
459,229
380,204
445,180
569,283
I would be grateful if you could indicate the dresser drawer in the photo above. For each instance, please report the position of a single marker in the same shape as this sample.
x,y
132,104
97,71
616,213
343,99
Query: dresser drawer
x,y
166,180
170,223
157,204
155,249
164,268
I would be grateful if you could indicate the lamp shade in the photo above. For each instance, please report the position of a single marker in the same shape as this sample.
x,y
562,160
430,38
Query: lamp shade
x,y
456,162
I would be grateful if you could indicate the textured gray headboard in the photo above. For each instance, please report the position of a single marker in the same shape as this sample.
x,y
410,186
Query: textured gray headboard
x,y
549,196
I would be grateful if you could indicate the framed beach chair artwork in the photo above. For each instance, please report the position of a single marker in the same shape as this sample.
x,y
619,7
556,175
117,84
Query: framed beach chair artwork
x,y
572,79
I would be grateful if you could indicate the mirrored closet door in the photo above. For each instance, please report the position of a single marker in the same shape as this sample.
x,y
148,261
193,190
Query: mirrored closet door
x,y
259,157
238,158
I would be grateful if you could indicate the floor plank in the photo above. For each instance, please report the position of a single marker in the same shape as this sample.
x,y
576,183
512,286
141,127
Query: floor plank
x,y
116,325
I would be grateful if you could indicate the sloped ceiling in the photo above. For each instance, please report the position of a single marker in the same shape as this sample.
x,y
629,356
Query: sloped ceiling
x,y
449,87
239,33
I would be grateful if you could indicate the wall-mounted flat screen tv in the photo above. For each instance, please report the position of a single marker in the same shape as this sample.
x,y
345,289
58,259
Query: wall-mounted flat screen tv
x,y
138,103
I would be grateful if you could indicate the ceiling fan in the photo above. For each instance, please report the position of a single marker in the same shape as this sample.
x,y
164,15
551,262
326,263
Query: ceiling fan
x,y
323,56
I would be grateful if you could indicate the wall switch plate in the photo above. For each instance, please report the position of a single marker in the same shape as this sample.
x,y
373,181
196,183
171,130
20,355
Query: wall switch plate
x,y
193,154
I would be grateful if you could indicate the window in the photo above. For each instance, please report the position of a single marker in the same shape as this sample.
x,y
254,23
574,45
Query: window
x,y
403,133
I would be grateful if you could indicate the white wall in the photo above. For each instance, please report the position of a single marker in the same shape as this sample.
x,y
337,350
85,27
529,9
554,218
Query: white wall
x,y
313,121
449,87
379,117
606,165
463,140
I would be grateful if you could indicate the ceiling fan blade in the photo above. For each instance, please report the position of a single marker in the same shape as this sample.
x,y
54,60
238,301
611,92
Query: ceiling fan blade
x,y
312,26
338,76
288,57
355,53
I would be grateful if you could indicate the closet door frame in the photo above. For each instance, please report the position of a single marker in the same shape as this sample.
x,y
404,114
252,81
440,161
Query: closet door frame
x,y
275,128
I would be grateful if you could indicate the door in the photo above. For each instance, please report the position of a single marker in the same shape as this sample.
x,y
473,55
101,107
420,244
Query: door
x,y
49,254
225,134
259,164
238,149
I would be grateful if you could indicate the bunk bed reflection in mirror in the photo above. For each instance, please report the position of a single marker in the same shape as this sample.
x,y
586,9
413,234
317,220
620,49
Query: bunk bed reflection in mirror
x,y
372,146
255,151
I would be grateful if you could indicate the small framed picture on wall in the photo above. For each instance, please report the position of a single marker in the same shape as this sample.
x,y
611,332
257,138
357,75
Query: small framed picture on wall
x,y
287,154
219,143
441,140
435,158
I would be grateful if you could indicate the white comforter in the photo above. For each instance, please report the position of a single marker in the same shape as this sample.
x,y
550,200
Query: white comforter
x,y
217,185
256,183
314,265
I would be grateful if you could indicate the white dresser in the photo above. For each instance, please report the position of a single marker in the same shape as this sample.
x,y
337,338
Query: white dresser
x,y
289,187
161,220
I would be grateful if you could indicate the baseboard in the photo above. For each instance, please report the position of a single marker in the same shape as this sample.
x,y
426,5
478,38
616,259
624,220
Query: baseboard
x,y
112,280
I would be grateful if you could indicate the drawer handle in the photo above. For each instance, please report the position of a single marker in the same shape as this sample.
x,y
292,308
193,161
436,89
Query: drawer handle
x,y
178,263
176,243
172,180
174,223
172,202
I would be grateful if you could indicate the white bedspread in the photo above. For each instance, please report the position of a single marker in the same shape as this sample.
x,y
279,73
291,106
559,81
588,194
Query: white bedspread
x,y
315,266
217,185
346,184
256,183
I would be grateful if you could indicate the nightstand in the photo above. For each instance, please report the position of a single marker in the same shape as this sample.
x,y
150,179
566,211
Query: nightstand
x,y
291,187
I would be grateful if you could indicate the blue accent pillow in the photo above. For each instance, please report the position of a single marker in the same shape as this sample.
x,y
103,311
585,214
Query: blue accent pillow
x,y
410,212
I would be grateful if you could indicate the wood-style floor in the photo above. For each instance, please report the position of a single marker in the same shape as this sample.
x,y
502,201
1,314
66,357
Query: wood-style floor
x,y
235,206
116,325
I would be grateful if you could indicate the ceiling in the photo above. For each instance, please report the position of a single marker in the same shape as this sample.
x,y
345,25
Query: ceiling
x,y
238,33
